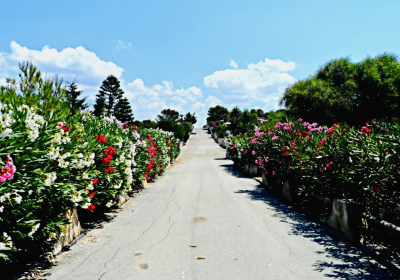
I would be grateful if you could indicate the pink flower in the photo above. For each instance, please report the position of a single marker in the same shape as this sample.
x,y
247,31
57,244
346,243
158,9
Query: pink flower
x,y
273,172
266,172
266,159
254,141
253,152
7,171
275,138
256,161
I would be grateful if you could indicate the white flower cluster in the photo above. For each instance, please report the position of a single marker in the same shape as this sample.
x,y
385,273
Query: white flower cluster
x,y
112,119
60,138
54,152
118,186
62,162
33,122
76,198
6,196
7,242
83,161
128,172
50,178
120,142
6,120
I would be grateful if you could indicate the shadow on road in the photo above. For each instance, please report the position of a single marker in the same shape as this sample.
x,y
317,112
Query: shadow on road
x,y
353,263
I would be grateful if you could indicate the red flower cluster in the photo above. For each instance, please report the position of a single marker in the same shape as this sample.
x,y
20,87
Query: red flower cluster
x,y
101,139
95,181
65,128
91,207
365,130
109,155
109,170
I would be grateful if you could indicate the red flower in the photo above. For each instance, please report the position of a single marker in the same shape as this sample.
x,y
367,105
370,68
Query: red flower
x,y
283,149
91,207
377,190
91,194
101,138
109,170
94,181
287,154
292,146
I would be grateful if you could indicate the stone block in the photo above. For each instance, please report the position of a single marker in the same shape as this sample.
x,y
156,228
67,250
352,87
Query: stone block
x,y
344,219
69,232
251,169
264,181
286,193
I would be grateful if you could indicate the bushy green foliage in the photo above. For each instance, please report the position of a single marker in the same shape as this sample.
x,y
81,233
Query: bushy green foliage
x,y
335,162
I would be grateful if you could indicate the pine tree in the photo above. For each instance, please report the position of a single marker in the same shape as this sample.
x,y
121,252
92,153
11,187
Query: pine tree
x,y
111,92
72,94
99,106
123,111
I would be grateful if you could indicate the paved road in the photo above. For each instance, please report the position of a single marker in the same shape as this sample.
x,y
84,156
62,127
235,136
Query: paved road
x,y
204,220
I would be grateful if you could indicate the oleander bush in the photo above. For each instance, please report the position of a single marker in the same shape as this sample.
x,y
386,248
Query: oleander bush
x,y
336,162
50,163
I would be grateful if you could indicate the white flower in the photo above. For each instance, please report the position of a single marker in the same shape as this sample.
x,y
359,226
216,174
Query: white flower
x,y
90,187
85,175
1,209
109,204
119,185
63,164
34,229
30,192
18,198
54,152
6,132
57,138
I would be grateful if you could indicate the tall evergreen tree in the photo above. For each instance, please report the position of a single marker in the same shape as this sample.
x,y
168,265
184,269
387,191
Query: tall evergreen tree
x,y
123,111
99,106
111,92
72,95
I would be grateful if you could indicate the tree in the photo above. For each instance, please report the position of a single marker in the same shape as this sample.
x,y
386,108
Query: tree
x,y
72,95
217,113
190,118
168,114
47,93
123,111
99,106
111,92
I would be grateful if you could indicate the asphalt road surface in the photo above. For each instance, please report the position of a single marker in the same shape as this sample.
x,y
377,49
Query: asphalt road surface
x,y
204,220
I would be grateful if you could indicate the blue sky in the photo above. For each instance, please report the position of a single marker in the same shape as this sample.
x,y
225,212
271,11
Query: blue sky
x,y
190,55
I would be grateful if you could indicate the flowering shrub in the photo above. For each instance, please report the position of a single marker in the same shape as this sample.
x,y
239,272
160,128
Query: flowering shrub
x,y
336,162
49,164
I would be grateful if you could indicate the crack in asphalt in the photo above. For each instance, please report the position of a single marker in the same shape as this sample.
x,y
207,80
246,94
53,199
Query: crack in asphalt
x,y
106,263
173,223
143,233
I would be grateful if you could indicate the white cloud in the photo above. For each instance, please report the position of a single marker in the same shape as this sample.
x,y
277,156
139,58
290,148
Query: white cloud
x,y
148,102
122,45
234,64
262,82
